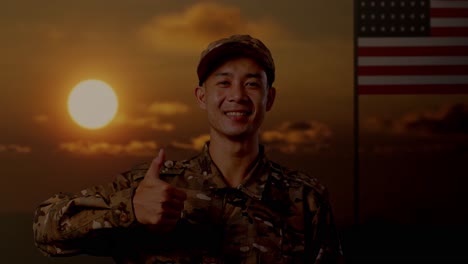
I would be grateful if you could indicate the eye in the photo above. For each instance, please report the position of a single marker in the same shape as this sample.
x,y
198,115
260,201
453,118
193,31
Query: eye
x,y
252,84
223,83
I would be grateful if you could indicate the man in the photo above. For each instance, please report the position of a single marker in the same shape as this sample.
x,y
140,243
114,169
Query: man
x,y
229,204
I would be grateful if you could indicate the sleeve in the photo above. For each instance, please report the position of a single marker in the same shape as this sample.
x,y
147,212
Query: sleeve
x,y
323,239
70,224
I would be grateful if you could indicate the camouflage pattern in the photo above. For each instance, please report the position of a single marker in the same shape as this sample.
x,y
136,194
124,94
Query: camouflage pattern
x,y
275,215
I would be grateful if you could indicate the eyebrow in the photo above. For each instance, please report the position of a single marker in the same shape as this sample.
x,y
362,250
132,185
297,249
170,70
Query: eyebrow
x,y
223,74
254,75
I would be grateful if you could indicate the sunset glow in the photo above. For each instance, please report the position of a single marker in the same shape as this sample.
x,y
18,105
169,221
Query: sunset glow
x,y
92,104
90,90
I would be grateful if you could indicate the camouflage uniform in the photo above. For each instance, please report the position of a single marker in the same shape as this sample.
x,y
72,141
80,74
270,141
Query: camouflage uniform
x,y
276,215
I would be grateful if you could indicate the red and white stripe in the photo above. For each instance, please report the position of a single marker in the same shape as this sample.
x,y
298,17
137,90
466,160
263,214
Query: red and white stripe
x,y
411,65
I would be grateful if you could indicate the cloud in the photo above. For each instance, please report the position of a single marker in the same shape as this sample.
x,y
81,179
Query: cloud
x,y
41,119
151,122
51,32
167,108
195,144
194,27
15,148
291,137
132,148
448,120
151,116
39,30
420,149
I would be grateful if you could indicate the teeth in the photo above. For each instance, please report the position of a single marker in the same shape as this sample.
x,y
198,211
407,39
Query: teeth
x,y
237,113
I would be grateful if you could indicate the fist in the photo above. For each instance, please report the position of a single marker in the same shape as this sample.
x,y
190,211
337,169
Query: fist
x,y
156,202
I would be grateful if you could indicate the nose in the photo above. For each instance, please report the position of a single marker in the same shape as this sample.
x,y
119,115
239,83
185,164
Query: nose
x,y
237,93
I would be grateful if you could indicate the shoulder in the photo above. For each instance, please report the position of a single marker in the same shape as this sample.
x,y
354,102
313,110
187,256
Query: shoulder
x,y
298,180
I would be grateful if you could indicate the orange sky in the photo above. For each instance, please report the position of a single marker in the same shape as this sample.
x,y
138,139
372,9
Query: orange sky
x,y
148,53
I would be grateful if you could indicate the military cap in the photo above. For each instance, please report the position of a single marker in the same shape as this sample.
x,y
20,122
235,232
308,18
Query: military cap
x,y
235,46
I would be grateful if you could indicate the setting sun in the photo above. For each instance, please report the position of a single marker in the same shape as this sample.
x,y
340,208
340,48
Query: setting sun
x,y
92,104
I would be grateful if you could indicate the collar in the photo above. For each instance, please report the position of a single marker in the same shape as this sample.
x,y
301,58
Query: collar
x,y
253,185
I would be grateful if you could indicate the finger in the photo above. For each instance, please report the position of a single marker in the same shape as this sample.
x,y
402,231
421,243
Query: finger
x,y
173,205
171,214
156,164
168,222
178,194
164,226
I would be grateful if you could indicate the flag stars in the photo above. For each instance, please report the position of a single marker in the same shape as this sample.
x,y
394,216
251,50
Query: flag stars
x,y
394,18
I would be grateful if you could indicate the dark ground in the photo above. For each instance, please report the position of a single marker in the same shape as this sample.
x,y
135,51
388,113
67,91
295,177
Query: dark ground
x,y
372,242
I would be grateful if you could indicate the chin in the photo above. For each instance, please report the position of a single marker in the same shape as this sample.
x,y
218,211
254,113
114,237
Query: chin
x,y
240,135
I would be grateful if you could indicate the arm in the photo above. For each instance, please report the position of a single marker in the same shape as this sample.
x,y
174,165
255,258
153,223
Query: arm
x,y
64,221
96,221
323,239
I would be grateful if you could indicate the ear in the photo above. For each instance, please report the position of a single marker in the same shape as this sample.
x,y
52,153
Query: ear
x,y
270,98
200,95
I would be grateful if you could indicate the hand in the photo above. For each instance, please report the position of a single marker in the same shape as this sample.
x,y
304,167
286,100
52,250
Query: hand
x,y
156,202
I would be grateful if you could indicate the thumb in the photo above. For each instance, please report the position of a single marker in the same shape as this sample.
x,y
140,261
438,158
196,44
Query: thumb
x,y
156,164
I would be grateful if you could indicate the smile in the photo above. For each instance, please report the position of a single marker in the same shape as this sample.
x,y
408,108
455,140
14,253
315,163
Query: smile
x,y
238,113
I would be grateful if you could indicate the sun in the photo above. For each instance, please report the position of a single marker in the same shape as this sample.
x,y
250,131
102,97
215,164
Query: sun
x,y
92,104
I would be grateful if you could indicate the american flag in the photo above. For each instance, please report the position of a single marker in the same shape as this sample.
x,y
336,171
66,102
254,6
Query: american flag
x,y
412,46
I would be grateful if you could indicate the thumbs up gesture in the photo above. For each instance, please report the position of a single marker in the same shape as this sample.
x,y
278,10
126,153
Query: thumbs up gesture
x,y
156,202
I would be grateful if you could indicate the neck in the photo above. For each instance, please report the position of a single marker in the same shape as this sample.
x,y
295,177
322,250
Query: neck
x,y
233,158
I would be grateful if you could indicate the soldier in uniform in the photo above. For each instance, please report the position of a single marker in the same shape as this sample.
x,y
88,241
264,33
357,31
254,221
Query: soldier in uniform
x,y
229,204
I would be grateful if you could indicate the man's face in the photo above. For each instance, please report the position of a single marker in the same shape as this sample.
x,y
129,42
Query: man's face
x,y
236,97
